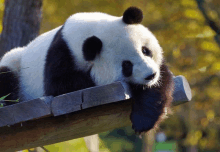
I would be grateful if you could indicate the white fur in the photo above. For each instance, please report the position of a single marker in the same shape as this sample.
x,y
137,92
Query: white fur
x,y
32,62
120,42
12,59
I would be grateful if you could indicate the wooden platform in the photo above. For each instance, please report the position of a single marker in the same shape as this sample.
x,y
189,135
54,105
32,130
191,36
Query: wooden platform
x,y
49,120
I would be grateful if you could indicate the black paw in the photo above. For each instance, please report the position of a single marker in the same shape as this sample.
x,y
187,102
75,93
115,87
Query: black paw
x,y
141,123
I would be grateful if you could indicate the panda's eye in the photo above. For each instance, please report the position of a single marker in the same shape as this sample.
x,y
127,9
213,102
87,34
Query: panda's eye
x,y
146,51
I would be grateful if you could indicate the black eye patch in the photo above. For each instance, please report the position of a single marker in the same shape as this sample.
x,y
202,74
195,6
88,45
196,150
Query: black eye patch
x,y
146,51
127,68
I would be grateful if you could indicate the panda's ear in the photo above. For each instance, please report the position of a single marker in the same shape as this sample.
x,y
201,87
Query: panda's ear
x,y
91,47
132,15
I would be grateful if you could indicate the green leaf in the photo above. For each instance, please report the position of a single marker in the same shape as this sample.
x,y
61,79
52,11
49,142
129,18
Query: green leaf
x,y
2,98
12,100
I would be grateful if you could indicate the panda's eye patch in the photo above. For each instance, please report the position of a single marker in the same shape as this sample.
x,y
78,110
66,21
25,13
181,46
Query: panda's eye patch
x,y
127,68
146,51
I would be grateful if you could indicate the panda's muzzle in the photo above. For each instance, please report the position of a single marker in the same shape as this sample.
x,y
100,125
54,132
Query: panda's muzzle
x,y
150,77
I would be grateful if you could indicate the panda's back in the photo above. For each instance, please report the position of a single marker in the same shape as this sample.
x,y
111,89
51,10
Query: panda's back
x,y
32,66
34,57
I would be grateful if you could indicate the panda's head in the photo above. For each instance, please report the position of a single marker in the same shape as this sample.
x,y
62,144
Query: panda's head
x,y
118,48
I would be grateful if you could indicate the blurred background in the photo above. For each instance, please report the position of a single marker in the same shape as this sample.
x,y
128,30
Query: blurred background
x,y
191,48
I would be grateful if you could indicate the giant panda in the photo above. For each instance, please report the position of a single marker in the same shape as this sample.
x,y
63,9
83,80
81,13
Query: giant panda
x,y
93,49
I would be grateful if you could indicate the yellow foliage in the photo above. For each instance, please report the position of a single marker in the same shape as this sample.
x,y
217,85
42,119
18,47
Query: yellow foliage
x,y
204,122
213,14
210,58
193,14
208,32
210,115
176,53
203,142
2,6
102,146
192,26
203,69
188,3
76,145
0,28
27,150
198,134
210,46
157,15
193,137
150,6
198,106
188,61
216,66
51,9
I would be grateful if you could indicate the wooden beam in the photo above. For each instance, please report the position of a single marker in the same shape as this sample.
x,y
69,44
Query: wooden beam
x,y
26,110
51,130
110,108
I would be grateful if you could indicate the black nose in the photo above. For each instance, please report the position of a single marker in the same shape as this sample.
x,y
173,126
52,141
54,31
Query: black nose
x,y
150,77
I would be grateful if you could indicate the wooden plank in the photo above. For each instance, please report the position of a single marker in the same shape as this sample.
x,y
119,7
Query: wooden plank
x,y
32,109
182,92
72,102
6,116
24,111
100,118
100,95
67,103
51,130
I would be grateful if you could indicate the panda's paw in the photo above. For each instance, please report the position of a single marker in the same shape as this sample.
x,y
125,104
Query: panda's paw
x,y
141,123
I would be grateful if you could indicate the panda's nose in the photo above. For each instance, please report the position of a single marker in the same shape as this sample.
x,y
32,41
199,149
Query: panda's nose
x,y
150,77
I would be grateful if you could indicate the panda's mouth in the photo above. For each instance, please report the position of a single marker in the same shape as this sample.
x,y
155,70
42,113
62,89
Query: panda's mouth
x,y
151,83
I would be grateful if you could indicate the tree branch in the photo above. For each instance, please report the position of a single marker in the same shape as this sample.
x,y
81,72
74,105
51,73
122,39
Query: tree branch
x,y
210,22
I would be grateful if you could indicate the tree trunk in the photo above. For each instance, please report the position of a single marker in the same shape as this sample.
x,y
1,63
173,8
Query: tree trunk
x,y
21,23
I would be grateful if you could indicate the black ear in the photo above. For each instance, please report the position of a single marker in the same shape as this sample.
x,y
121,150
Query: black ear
x,y
133,15
91,47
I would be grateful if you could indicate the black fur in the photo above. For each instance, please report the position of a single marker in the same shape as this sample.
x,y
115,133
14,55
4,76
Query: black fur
x,y
8,84
127,68
150,77
60,74
133,15
150,103
91,47
147,52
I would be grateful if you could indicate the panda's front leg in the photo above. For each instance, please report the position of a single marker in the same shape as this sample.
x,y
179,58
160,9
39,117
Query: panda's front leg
x,y
149,104
146,109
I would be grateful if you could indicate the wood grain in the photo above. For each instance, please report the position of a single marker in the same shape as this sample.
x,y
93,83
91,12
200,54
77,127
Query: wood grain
x,y
51,130
182,92
6,116
24,111
103,94
103,115
67,103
